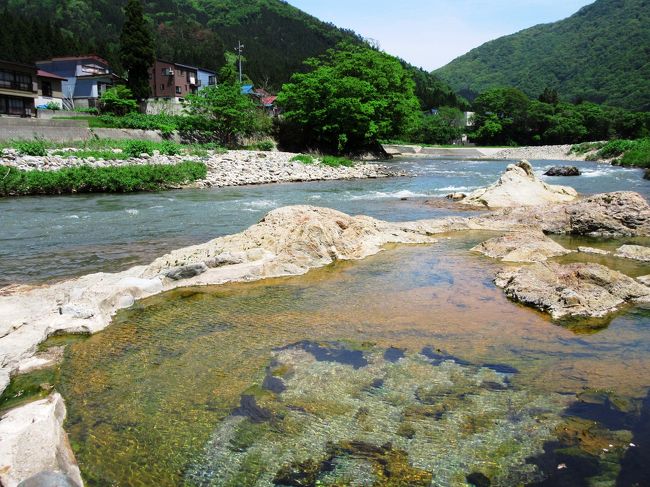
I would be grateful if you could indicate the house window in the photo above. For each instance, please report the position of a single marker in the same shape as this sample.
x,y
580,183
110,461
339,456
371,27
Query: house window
x,y
162,87
46,88
15,81
178,90
14,106
212,80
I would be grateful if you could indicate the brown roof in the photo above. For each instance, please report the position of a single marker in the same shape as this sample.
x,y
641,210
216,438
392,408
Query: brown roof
x,y
73,58
44,74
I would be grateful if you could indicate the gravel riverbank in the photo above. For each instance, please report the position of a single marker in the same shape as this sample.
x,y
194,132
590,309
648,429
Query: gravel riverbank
x,y
233,168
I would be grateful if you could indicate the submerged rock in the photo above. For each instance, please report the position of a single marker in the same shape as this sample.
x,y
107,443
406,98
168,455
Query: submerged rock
x,y
48,479
634,252
32,440
530,246
519,186
563,171
572,290
591,250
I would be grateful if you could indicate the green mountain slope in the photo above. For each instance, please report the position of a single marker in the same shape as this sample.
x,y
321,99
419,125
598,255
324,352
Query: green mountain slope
x,y
601,54
277,36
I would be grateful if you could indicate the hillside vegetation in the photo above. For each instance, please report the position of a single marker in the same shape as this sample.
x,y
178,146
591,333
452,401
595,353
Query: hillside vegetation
x,y
600,54
277,36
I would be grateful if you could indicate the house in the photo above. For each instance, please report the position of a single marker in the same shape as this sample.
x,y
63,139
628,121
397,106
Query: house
x,y
86,78
206,78
50,89
172,81
18,89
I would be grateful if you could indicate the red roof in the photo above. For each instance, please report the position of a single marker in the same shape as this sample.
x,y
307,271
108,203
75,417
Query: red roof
x,y
268,100
44,74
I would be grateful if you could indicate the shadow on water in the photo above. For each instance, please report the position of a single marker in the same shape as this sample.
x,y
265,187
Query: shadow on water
x,y
594,452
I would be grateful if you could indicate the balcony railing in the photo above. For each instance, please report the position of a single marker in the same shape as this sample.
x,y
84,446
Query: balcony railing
x,y
16,85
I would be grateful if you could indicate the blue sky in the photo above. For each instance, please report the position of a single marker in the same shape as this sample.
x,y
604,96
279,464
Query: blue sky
x,y
430,33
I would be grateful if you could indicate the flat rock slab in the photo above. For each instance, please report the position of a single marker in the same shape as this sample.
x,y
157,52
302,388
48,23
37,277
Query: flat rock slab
x,y
591,250
531,246
573,290
616,214
634,252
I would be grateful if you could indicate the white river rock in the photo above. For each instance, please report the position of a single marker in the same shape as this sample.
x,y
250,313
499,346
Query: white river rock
x,y
32,440
517,187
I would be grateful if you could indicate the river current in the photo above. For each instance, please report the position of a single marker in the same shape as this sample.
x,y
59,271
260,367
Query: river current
x,y
44,238
408,368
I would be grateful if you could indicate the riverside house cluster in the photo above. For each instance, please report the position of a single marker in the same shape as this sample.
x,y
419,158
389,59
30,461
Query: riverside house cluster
x,y
78,82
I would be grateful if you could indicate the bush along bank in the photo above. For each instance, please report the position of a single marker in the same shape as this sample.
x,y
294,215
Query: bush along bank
x,y
629,153
86,179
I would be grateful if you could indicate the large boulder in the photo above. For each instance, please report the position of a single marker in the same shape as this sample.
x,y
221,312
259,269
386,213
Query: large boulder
x,y
32,441
571,291
621,213
528,246
519,186
563,171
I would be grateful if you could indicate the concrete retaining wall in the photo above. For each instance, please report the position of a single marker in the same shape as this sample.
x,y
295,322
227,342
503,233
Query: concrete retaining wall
x,y
66,131
464,152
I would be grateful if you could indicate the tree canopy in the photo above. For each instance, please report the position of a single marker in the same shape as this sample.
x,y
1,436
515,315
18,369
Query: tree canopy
x,y
506,116
136,50
352,97
223,113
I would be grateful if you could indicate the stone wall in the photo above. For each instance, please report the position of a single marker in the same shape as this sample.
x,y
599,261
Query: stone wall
x,y
66,131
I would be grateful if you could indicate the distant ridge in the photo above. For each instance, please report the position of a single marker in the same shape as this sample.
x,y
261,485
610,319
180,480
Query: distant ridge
x,y
600,54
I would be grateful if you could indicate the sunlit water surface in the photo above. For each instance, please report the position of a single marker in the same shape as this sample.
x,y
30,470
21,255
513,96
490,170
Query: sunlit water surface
x,y
45,238
407,368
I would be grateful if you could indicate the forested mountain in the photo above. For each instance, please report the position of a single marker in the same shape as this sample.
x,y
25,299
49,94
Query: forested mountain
x,y
277,36
600,54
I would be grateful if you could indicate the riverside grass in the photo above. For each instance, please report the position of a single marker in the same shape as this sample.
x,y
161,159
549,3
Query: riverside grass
x,y
86,179
629,153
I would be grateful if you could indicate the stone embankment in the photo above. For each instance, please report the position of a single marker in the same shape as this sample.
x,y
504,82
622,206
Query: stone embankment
x,y
233,168
538,153
290,241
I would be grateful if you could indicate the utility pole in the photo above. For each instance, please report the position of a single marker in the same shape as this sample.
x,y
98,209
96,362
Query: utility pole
x,y
239,50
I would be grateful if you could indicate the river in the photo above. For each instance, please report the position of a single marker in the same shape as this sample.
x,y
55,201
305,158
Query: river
x,y
408,368
45,238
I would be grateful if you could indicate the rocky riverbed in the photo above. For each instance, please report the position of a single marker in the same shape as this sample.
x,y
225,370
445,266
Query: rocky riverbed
x,y
290,241
232,168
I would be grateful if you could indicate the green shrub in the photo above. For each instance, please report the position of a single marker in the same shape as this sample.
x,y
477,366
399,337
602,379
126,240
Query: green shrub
x,y
334,161
86,179
303,158
265,145
31,148
52,105
133,148
585,147
638,155
89,110
169,148
615,148
118,101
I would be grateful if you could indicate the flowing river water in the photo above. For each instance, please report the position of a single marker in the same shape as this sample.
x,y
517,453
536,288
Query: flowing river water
x,y
408,368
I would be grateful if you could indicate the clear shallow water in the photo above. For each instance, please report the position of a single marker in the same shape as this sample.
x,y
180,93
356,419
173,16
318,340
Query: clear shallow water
x,y
407,368
44,238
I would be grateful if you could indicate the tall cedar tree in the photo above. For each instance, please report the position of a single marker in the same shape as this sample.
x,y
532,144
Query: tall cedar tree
x,y
136,49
